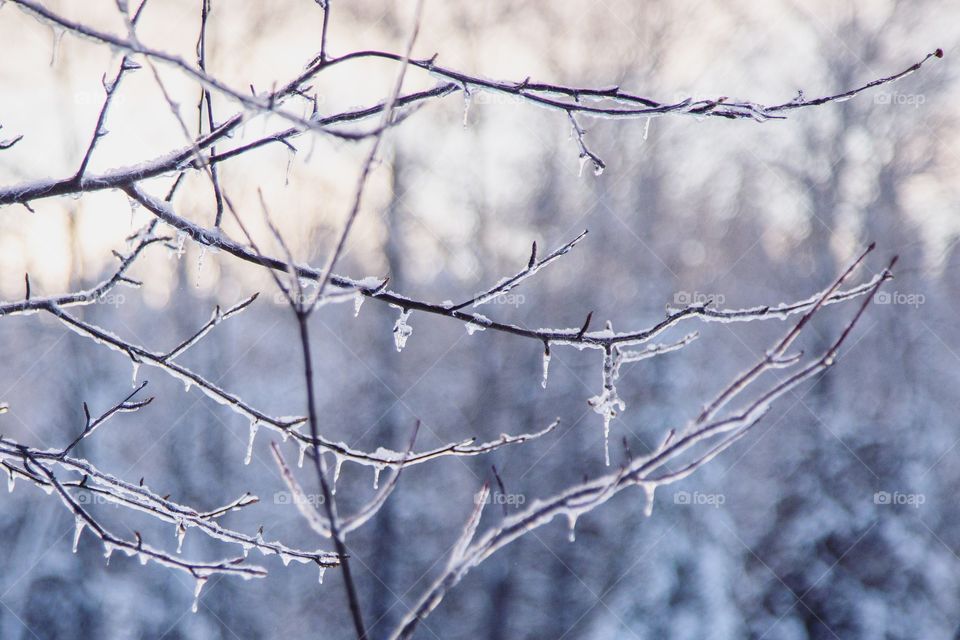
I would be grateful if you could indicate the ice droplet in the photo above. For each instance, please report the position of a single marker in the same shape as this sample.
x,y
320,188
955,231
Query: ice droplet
x,y
11,480
196,593
583,162
402,330
323,570
337,465
572,524
597,169
376,476
107,551
181,241
649,490
467,100
181,534
303,450
546,368
136,370
254,427
357,303
76,533
55,48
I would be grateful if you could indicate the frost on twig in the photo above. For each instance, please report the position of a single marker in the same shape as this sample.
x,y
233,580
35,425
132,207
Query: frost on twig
x,y
699,443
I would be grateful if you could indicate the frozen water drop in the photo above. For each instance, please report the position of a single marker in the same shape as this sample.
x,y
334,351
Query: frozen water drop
x,y
196,593
254,427
136,370
467,100
357,303
303,450
649,490
181,534
402,330
337,466
76,533
546,368
55,48
572,525
376,476
583,163
323,570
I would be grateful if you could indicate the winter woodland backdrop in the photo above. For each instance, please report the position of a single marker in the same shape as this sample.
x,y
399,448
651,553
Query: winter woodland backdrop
x,y
836,517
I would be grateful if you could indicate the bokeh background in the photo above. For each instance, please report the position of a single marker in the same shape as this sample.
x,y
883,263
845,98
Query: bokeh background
x,y
836,518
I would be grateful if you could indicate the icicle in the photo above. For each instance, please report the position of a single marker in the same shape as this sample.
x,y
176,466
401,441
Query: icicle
x,y
254,427
107,551
143,558
402,330
323,570
546,368
55,49
583,162
76,533
187,385
648,490
181,241
467,99
11,480
376,476
181,534
357,303
646,128
608,403
136,369
203,251
337,465
572,523
286,175
303,450
285,559
196,593
606,439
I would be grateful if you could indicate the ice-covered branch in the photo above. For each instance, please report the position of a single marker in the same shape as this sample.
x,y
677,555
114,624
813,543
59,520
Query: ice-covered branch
x,y
95,294
138,497
645,471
